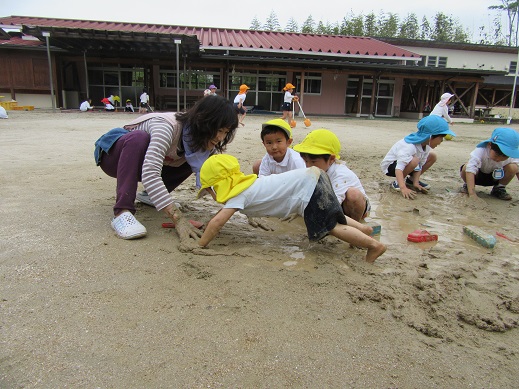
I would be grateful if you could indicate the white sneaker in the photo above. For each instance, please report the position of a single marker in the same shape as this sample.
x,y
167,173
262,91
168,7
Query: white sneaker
x,y
144,198
127,227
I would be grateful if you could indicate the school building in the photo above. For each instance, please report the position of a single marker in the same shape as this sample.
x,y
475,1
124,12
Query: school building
x,y
334,75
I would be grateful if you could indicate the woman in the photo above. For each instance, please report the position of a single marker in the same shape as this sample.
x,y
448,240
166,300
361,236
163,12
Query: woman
x,y
162,150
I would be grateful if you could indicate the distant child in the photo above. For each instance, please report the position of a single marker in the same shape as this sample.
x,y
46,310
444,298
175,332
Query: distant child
x,y
210,91
129,106
410,157
306,192
144,102
442,108
493,162
322,148
239,101
287,102
276,136
108,105
86,105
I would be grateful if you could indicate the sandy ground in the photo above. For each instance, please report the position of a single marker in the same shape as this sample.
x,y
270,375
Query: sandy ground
x,y
81,308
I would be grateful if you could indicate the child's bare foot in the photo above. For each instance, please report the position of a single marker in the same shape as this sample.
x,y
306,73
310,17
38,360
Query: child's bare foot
x,y
375,251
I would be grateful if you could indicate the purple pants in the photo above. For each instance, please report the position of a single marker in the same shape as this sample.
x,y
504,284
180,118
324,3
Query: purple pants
x,y
124,162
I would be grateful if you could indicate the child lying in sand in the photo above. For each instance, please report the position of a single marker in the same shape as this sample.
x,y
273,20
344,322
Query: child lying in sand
x,y
306,192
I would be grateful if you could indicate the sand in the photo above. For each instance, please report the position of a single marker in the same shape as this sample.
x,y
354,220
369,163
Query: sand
x,y
82,308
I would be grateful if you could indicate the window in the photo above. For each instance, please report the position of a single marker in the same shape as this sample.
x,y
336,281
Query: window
x,y
513,67
431,61
442,62
191,80
312,83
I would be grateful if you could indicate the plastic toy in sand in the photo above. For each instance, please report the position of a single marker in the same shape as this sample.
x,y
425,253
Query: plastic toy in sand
x,y
419,236
484,239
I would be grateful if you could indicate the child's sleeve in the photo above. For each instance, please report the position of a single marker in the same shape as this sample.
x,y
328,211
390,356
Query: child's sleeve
x,y
475,161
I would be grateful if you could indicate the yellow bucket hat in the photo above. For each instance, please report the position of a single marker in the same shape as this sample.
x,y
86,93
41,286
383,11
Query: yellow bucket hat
x,y
222,172
319,142
282,124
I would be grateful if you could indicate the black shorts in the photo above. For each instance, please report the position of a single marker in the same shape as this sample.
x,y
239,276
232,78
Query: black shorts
x,y
241,110
323,212
391,170
286,107
144,105
484,179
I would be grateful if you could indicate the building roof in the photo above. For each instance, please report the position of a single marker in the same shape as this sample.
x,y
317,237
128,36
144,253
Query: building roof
x,y
91,36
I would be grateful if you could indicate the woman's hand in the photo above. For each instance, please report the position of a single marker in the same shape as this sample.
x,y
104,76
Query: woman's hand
x,y
185,230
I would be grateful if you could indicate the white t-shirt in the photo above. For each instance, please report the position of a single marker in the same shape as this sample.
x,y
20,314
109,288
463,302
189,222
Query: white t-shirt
x,y
403,152
343,178
288,97
277,195
144,98
3,113
85,106
240,98
441,110
480,161
291,161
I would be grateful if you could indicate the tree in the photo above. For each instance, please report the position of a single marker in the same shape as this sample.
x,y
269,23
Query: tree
x,y
511,8
292,26
255,24
308,26
409,28
388,25
370,25
272,23
425,33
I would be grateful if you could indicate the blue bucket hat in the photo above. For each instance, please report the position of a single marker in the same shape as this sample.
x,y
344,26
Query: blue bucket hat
x,y
427,127
507,139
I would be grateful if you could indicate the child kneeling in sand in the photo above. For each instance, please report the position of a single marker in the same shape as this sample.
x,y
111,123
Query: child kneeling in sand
x,y
410,157
321,148
493,162
306,192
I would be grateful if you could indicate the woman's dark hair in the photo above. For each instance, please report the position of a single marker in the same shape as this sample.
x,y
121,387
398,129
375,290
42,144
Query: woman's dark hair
x,y
496,149
205,118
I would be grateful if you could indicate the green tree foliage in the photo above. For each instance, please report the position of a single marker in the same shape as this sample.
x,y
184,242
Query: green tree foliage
x,y
308,26
292,26
409,28
255,24
442,27
511,8
272,23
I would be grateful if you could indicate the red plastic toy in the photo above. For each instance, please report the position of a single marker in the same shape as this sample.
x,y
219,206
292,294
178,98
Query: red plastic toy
x,y
418,236
195,224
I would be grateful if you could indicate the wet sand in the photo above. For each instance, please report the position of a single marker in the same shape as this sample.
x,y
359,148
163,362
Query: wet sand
x,y
82,308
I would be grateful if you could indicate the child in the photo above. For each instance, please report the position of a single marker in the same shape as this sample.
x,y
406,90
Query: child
x,y
306,192
287,102
144,102
410,157
129,106
442,108
108,105
86,105
276,136
493,162
322,148
239,101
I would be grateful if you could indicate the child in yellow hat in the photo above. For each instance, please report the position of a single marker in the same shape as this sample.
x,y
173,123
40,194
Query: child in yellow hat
x,y
276,136
239,103
288,98
321,148
306,192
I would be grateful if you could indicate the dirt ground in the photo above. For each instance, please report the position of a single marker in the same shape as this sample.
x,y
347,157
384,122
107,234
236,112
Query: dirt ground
x,y
81,308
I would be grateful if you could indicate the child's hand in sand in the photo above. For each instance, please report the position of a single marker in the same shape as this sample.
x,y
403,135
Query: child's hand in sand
x,y
408,193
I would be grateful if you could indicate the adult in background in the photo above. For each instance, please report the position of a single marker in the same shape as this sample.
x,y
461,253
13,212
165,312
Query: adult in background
x,y
162,150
